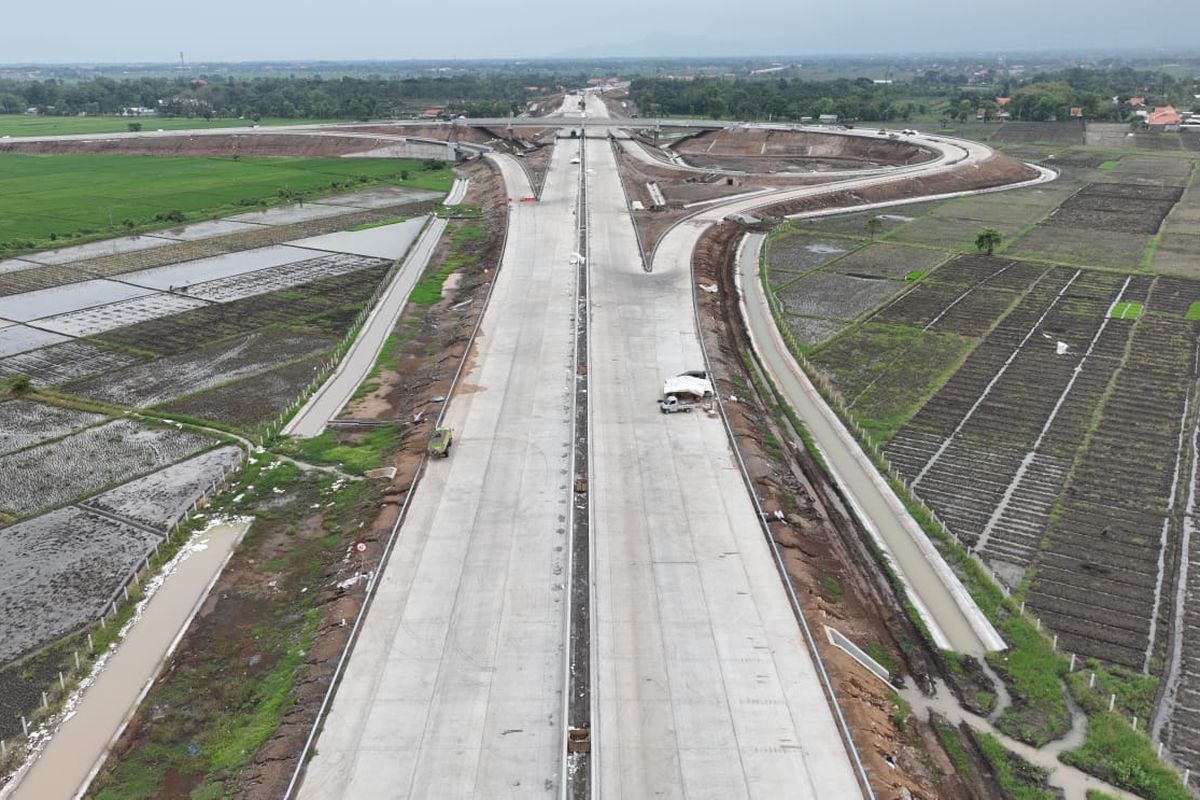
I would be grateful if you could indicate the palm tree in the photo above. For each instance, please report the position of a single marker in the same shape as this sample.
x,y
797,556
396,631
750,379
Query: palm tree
x,y
874,226
987,239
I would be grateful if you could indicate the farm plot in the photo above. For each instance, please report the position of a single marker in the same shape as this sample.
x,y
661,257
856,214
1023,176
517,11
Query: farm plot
x,y
161,498
1098,579
966,280
950,233
57,364
1080,246
214,268
39,277
1050,132
834,295
24,423
1123,207
284,276
803,252
1178,254
884,260
965,447
15,339
105,247
249,402
63,299
59,571
855,224
1152,171
886,371
319,301
811,331
91,321
158,381
61,471
15,265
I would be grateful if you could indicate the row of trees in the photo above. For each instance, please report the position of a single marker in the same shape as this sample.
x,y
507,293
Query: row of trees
x,y
779,98
1043,96
314,97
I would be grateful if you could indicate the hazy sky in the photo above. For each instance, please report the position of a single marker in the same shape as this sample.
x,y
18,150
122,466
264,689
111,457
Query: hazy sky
x,y
241,30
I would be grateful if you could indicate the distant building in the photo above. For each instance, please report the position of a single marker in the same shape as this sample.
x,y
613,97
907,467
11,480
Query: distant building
x,y
433,112
1137,102
828,119
139,111
1077,112
1164,118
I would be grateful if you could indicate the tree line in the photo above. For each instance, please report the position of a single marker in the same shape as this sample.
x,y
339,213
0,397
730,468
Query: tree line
x,y
1039,97
286,97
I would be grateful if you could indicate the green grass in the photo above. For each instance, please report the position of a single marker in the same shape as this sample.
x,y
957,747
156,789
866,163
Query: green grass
x,y
50,200
832,587
954,748
916,275
1107,165
1125,758
379,224
1135,692
883,657
23,125
464,251
1126,310
1096,794
1193,312
1034,674
1018,779
367,453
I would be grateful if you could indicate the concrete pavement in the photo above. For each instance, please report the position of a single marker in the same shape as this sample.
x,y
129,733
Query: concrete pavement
x,y
704,686
953,618
454,688
328,401
80,744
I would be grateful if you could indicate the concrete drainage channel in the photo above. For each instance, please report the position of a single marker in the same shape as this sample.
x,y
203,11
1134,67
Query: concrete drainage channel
x,y
577,758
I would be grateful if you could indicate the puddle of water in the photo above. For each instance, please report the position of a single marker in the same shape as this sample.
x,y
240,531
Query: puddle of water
x,y
387,241
124,244
824,248
896,218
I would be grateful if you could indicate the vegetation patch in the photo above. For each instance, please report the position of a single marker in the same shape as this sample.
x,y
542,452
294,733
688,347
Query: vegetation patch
x,y
1125,310
1018,779
354,452
1125,758
48,200
466,247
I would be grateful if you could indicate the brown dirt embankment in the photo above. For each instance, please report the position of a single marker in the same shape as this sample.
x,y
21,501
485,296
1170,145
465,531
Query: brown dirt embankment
x,y
837,580
999,170
799,145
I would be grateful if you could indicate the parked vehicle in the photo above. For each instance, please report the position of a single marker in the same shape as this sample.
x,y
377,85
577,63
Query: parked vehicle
x,y
672,404
439,443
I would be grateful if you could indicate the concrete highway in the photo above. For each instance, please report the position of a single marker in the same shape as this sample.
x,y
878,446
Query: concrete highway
x,y
704,687
328,401
952,615
454,688
702,683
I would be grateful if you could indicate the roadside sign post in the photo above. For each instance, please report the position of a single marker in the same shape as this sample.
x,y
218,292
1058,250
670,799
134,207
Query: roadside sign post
x,y
360,547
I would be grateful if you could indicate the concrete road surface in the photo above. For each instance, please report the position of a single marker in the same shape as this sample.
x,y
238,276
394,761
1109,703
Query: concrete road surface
x,y
454,689
704,686
337,390
80,744
953,618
